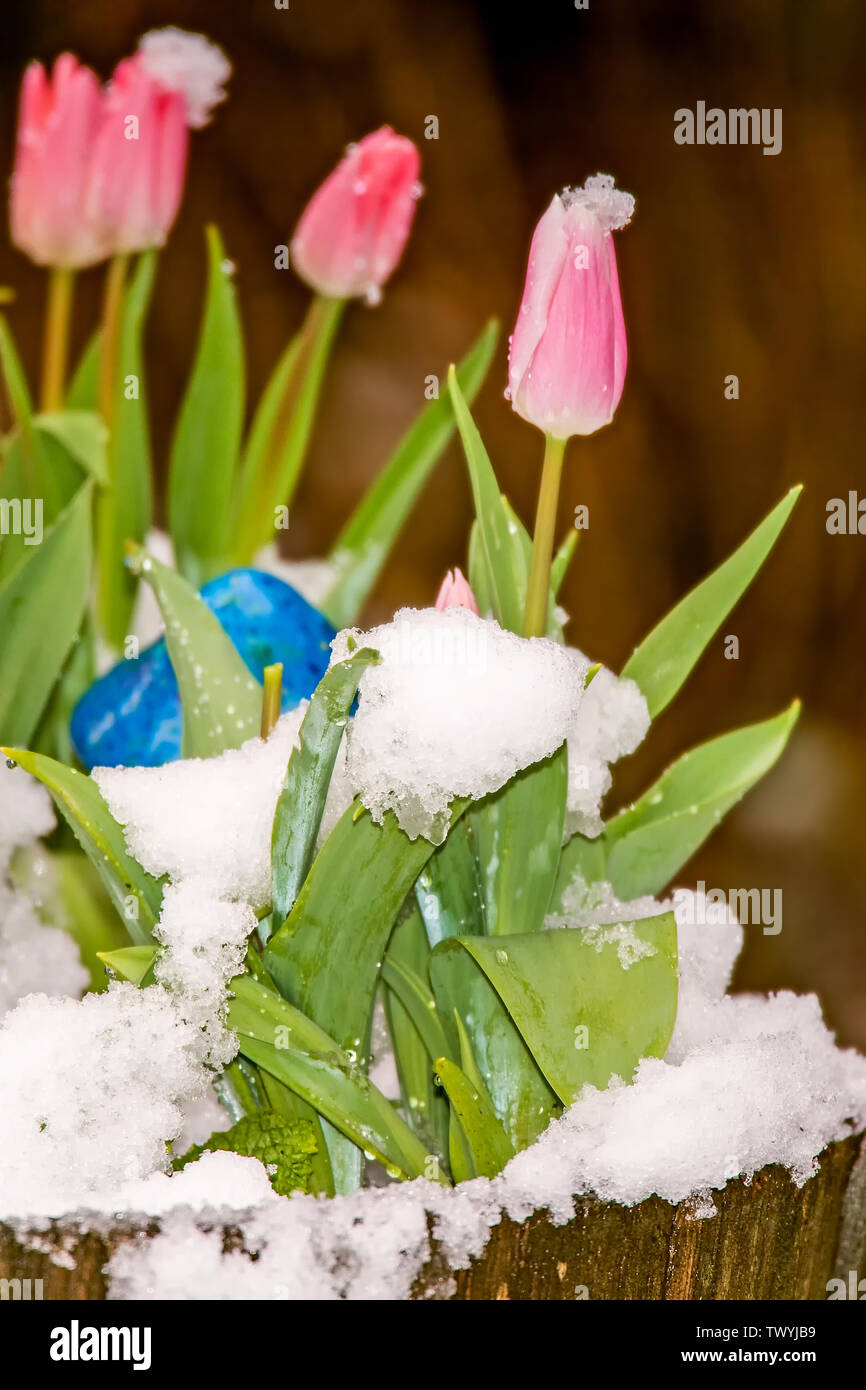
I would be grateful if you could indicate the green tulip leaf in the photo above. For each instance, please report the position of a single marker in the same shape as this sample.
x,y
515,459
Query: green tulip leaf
x,y
651,841
590,1003
207,437
221,701
302,799
665,658
42,609
136,896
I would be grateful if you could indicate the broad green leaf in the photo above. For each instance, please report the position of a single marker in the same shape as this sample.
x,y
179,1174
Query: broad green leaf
x,y
417,999
207,437
125,506
651,840
221,701
517,834
487,1142
665,658
580,858
520,1095
135,894
302,799
294,1049
42,607
36,470
52,735
326,956
499,545
132,963
82,435
281,429
479,577
287,1148
365,542
424,1106
589,1003
447,889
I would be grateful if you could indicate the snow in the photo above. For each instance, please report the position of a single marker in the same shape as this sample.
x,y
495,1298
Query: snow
x,y
189,64
612,206
207,818
202,1117
205,940
456,708
90,1090
33,956
26,812
612,721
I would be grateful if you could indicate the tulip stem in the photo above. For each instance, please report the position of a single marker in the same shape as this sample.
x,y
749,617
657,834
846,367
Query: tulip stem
x,y
109,542
55,351
115,279
538,588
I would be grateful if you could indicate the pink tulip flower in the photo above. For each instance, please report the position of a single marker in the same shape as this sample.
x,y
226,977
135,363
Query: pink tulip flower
x,y
567,357
455,592
352,232
58,124
169,86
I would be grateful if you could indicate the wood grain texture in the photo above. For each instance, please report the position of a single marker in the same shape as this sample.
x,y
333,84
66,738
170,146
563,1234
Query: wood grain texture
x,y
769,1240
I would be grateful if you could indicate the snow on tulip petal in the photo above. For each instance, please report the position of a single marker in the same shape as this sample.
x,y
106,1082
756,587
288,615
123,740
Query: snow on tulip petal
x,y
188,64
568,353
352,233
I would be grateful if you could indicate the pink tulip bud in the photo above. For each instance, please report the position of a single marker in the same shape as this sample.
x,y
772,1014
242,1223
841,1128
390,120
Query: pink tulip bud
x,y
140,161
456,593
567,358
171,84
58,123
352,232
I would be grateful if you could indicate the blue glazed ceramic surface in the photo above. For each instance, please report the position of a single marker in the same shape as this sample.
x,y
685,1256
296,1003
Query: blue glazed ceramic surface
x,y
132,715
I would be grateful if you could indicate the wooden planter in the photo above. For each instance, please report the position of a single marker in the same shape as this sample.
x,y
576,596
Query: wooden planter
x,y
769,1240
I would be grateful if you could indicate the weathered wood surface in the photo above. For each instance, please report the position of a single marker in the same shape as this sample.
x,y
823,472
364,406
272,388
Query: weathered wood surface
x,y
769,1240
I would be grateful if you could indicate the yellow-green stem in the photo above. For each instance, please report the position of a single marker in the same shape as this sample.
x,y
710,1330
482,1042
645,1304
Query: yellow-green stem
x,y
108,554
112,303
55,350
538,588
272,697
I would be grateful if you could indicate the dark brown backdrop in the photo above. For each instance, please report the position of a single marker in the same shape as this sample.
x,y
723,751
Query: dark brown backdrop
x,y
736,262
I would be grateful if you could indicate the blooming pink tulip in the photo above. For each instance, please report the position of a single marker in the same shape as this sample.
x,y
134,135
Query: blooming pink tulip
x,y
352,232
58,123
456,593
567,359
168,86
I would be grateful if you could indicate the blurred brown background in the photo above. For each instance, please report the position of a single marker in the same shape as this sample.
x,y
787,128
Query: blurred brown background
x,y
735,263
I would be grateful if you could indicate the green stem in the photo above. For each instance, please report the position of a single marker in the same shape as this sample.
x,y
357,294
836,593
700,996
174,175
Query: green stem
x,y
111,308
270,480
55,350
272,697
108,553
538,588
